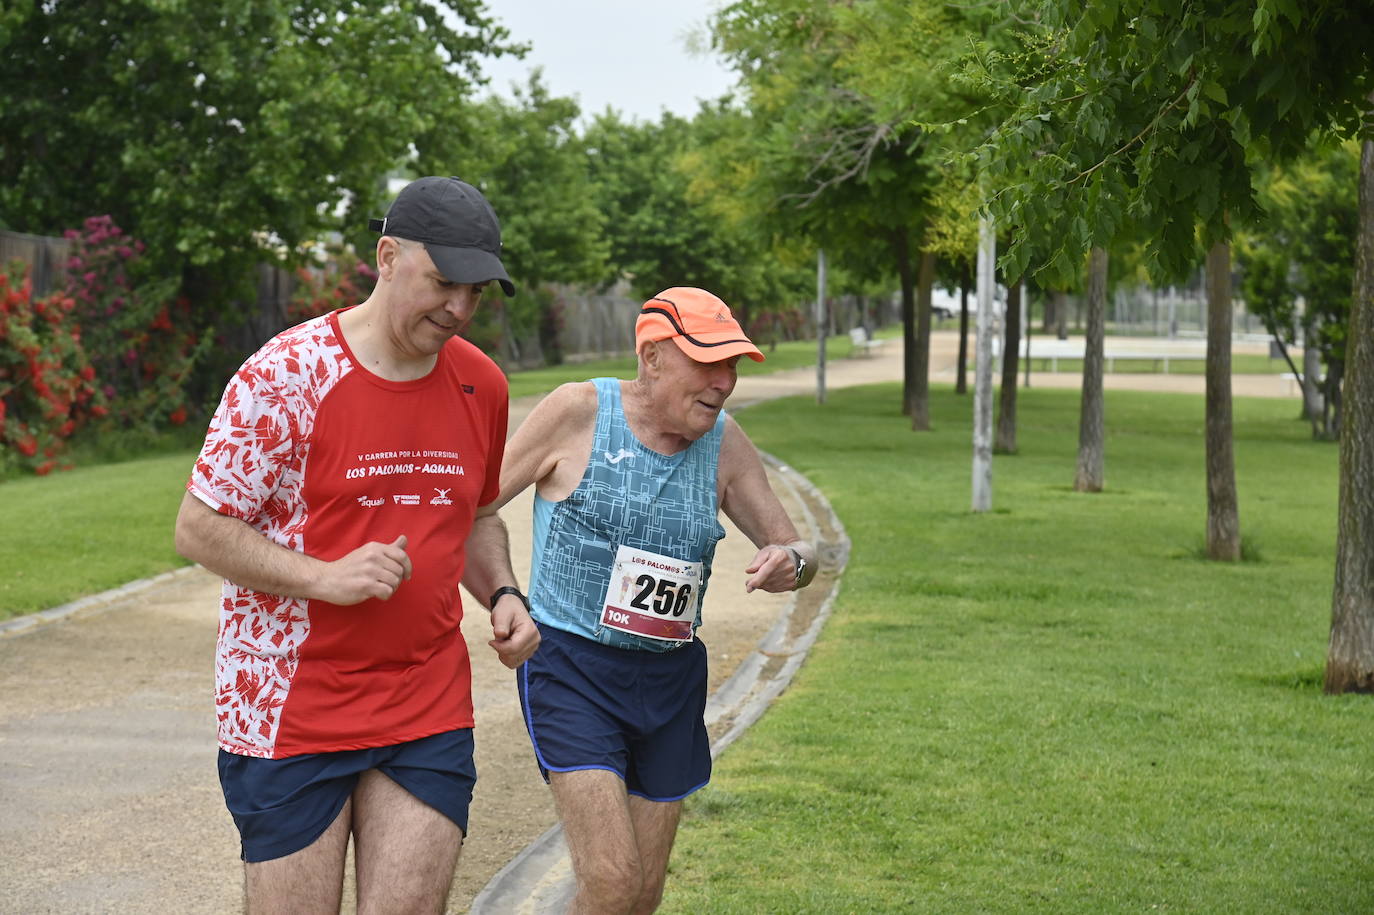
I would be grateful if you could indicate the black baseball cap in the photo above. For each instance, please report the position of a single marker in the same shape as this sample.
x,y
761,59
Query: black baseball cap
x,y
457,225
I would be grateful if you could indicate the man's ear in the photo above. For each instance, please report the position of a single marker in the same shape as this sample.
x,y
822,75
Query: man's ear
x,y
388,250
649,355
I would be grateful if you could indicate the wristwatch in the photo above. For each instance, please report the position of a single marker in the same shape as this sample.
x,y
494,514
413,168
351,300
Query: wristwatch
x,y
801,566
502,592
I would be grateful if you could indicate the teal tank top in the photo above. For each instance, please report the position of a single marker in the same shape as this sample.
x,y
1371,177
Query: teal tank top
x,y
629,496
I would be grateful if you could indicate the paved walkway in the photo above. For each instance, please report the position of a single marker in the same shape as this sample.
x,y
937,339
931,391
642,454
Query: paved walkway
x,y
107,756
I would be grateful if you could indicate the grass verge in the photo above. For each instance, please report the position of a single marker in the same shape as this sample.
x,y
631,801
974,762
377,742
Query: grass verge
x,y
87,530
1055,706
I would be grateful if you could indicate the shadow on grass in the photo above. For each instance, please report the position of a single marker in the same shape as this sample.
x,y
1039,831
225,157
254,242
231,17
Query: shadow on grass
x,y
1250,552
1305,680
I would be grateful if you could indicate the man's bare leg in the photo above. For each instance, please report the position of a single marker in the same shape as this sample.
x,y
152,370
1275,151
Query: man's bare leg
x,y
655,825
405,851
307,881
619,845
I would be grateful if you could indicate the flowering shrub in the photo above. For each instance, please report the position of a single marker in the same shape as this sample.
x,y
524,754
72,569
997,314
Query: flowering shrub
x,y
113,345
47,384
140,337
323,290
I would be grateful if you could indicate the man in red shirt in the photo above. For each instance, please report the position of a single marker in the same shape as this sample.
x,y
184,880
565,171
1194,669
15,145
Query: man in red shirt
x,y
346,486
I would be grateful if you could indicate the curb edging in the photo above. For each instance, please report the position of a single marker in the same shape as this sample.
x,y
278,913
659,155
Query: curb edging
x,y
89,605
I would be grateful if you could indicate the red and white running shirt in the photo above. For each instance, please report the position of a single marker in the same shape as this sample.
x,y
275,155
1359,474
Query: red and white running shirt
x,y
322,456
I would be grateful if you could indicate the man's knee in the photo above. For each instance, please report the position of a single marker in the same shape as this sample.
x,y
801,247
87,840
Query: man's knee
x,y
650,896
611,886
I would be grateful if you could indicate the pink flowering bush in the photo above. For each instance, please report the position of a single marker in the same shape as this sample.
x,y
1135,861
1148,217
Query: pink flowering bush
x,y
139,334
338,284
112,349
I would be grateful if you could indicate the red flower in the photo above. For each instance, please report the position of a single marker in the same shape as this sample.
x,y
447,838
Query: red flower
x,y
45,468
178,416
27,446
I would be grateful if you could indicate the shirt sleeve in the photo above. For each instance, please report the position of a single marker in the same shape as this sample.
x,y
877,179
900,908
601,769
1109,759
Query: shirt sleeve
x,y
250,443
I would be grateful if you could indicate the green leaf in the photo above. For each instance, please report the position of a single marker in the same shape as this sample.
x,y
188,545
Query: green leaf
x,y
1271,77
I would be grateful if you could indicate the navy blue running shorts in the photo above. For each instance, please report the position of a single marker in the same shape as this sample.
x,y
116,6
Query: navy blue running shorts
x,y
283,805
639,714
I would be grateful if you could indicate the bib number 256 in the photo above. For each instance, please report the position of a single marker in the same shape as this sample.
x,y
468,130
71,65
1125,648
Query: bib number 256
x,y
652,596
661,595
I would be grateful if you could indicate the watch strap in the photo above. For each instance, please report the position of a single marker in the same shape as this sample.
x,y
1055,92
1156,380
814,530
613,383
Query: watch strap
x,y
502,592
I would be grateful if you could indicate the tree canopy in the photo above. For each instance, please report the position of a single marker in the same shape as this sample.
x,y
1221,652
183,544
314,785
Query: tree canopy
x,y
223,134
1148,114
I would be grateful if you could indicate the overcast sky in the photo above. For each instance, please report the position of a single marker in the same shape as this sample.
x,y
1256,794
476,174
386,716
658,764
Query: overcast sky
x,y
630,55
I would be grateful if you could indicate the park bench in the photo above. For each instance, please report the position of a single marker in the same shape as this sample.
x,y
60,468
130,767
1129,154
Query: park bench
x,y
863,344
1054,350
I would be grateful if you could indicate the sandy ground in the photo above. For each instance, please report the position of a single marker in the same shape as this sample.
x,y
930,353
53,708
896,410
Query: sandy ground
x,y
107,754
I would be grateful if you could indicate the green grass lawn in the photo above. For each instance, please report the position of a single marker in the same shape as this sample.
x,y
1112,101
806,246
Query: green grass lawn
x,y
1056,706
87,530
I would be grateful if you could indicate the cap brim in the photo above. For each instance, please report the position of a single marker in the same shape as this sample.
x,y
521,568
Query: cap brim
x,y
470,265
715,347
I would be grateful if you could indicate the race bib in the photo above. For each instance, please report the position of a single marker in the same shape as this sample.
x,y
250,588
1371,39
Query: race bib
x,y
651,595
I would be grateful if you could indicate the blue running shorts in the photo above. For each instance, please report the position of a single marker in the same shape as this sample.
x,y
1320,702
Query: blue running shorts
x,y
283,805
638,714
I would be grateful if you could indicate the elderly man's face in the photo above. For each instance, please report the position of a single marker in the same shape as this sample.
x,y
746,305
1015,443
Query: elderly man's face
x,y
690,394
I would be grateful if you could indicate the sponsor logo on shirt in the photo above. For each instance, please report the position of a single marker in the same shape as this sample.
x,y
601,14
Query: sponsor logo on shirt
x,y
617,458
365,502
441,497
406,499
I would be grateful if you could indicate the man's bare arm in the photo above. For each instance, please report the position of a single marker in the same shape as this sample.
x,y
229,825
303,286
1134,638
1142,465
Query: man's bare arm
x,y
235,550
749,501
488,569
550,448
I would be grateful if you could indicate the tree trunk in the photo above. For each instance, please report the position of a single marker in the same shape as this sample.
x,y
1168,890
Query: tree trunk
x,y
822,311
1311,381
920,389
1005,441
908,319
961,370
1091,431
1061,315
1350,653
1223,515
1029,325
1331,401
982,382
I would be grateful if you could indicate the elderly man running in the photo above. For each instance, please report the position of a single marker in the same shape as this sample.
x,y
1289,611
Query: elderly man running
x,y
630,477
